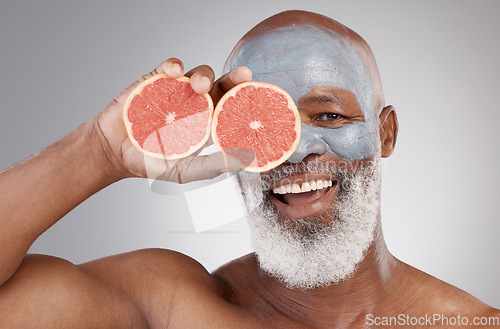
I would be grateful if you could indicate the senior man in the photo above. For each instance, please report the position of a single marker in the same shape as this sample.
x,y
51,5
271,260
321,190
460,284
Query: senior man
x,y
320,259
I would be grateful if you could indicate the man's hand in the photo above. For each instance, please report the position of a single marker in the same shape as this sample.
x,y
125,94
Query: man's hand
x,y
90,158
126,161
45,187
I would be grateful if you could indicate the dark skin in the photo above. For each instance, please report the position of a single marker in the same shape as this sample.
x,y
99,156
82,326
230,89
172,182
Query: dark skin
x,y
165,289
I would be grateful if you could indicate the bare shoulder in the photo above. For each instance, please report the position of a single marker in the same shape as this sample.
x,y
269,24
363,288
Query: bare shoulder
x,y
135,289
147,264
50,292
435,296
165,285
149,275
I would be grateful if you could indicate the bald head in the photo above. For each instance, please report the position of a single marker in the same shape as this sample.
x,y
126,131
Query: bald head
x,y
295,23
298,17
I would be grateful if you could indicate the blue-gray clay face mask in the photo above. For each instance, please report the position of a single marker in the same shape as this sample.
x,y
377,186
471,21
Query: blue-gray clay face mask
x,y
299,58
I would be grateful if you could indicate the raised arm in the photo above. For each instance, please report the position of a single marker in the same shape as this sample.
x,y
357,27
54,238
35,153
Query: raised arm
x,y
39,191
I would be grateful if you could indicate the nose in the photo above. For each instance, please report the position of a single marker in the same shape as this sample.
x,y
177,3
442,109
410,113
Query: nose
x,y
310,143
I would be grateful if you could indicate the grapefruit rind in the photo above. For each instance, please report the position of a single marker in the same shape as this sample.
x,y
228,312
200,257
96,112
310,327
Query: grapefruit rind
x,y
291,105
128,124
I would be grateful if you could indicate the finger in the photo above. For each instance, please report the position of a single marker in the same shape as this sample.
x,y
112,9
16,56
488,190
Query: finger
x,y
229,80
173,67
235,77
202,78
209,166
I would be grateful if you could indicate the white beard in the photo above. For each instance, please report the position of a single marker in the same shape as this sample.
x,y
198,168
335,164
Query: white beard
x,y
324,255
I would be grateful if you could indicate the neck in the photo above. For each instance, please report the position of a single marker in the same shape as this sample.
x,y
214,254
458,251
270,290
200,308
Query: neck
x,y
346,302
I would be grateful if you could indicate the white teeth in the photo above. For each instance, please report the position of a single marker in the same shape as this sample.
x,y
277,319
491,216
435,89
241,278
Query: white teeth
x,y
313,185
281,189
306,187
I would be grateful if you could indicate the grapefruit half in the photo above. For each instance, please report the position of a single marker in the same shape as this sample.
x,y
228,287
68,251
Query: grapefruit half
x,y
257,123
165,118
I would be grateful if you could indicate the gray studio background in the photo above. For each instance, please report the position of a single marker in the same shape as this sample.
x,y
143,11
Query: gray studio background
x,y
63,61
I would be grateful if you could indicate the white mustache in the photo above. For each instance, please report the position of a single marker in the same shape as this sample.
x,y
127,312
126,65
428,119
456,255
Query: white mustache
x,y
316,166
289,169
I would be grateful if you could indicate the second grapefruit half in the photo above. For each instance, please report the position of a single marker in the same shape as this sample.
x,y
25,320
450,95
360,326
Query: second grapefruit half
x,y
165,118
257,123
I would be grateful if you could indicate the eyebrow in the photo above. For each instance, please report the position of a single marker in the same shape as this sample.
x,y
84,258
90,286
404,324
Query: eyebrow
x,y
330,98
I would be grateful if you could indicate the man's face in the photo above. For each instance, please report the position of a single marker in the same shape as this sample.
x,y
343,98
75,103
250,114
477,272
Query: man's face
x,y
317,66
313,238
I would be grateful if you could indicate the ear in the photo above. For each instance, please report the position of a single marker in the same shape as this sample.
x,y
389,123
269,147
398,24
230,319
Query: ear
x,y
388,123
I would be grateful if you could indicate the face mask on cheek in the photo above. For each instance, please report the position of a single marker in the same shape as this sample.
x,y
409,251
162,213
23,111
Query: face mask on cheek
x,y
351,142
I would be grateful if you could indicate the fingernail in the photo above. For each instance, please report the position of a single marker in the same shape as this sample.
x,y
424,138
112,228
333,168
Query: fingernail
x,y
205,82
231,75
241,69
175,69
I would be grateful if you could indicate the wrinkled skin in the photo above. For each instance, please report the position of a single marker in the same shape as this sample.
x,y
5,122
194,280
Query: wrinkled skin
x,y
166,289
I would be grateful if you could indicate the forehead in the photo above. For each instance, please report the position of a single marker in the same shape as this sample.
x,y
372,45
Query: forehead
x,y
299,58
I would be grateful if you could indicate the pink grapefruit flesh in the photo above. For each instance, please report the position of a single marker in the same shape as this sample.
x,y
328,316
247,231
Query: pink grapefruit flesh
x,y
257,123
165,118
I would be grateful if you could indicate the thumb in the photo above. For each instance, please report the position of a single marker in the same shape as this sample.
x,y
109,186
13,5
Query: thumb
x,y
210,166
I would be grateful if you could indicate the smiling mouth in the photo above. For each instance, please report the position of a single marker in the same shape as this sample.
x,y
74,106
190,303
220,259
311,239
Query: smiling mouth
x,y
299,194
303,197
